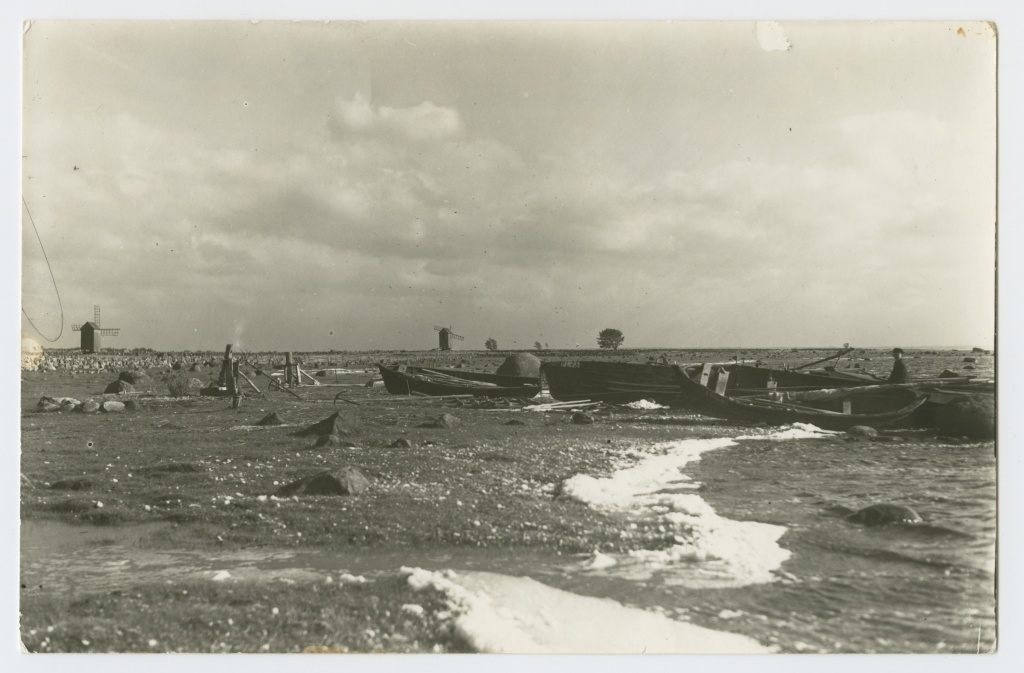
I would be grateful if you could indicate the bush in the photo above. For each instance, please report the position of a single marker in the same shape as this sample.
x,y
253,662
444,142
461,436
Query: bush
x,y
177,384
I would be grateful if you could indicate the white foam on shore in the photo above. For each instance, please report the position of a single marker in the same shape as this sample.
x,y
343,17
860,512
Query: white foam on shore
x,y
502,614
720,550
645,404
795,431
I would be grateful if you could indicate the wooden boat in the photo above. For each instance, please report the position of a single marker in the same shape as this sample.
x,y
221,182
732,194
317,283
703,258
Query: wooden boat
x,y
832,409
406,380
613,382
624,382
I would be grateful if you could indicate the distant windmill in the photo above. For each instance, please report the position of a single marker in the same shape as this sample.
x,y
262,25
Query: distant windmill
x,y
91,333
444,337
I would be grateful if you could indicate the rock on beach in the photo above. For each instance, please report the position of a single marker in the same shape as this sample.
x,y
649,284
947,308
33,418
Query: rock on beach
x,y
349,481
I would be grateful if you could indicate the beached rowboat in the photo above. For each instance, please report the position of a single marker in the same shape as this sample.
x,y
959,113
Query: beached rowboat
x,y
407,380
624,382
832,409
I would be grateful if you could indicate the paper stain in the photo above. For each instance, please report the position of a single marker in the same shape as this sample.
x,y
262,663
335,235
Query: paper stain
x,y
31,353
771,37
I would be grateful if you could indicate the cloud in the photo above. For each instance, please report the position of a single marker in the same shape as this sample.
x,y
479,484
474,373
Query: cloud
x,y
425,121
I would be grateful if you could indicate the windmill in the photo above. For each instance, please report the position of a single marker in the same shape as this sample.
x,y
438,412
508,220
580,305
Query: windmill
x,y
444,337
91,333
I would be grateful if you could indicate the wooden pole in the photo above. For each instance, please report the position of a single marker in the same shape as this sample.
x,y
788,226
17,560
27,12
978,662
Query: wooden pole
x,y
838,355
275,381
225,368
254,386
288,369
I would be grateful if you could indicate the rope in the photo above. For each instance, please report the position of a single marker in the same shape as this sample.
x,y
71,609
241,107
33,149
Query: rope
x,y
59,303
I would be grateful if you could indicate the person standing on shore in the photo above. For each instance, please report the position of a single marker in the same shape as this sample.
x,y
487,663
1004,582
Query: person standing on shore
x,y
900,374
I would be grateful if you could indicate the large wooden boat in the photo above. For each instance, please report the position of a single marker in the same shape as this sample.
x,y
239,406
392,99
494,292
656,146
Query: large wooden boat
x,y
624,382
828,408
407,380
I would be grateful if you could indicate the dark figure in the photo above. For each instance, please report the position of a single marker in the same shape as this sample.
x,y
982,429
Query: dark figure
x,y
900,374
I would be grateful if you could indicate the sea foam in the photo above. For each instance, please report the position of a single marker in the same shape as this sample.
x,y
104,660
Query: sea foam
x,y
502,614
708,548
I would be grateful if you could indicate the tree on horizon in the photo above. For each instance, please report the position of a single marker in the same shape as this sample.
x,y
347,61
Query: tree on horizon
x,y
491,344
610,338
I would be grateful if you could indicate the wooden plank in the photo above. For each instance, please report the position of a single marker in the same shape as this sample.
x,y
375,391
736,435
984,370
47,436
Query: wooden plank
x,y
307,375
254,386
705,374
847,407
723,381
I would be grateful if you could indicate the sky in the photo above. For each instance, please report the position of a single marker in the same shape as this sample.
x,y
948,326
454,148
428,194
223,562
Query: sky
x,y
313,185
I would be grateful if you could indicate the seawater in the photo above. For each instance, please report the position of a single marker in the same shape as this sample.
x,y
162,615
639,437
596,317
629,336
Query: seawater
x,y
757,544
843,587
926,587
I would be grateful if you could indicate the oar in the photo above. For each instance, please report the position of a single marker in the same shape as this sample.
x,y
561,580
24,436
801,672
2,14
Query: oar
x,y
838,355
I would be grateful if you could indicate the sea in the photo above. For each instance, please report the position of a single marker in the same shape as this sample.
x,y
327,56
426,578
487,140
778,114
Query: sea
x,y
757,545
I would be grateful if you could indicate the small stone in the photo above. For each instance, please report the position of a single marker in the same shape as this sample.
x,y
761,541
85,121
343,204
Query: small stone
x,y
514,421
89,407
332,441
401,443
580,418
271,419
112,406
862,431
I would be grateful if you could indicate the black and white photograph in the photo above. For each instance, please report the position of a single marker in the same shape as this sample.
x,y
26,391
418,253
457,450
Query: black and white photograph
x,y
509,336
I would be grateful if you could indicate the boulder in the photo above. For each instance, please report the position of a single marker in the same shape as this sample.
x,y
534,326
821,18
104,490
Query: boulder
x,y
520,364
271,419
949,374
332,425
401,443
47,404
89,407
970,359
444,421
350,481
883,514
119,387
580,418
862,431
112,407
132,376
972,416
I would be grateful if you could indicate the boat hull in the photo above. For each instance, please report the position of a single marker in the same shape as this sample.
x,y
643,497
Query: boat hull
x,y
831,409
625,382
439,382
